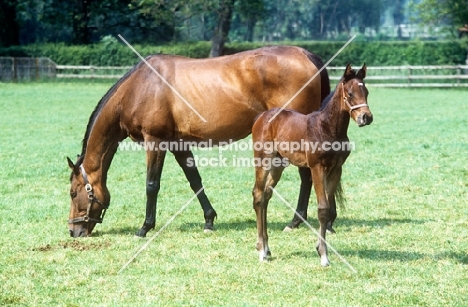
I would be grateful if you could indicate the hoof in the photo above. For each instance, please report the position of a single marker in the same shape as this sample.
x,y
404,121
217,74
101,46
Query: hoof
x,y
287,229
140,235
209,220
330,228
206,230
144,230
264,257
324,261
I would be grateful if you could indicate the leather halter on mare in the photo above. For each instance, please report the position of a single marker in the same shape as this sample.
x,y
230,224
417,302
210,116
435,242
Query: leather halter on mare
x,y
91,200
345,99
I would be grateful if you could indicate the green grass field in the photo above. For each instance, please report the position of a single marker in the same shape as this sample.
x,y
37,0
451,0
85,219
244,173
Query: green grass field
x,y
404,228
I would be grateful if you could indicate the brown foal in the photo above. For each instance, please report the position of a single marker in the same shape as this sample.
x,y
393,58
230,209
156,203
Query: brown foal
x,y
317,141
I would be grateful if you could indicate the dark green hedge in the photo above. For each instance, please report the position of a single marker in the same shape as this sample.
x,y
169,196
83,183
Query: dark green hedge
x,y
383,53
115,53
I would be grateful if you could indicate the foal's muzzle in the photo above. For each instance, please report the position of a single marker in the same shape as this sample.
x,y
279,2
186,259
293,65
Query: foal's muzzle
x,y
364,119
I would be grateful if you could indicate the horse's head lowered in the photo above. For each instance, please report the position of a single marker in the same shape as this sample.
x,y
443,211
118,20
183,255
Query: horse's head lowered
x,y
88,202
354,95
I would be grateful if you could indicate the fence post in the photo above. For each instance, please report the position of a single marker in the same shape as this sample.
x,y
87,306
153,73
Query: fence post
x,y
13,68
37,69
409,75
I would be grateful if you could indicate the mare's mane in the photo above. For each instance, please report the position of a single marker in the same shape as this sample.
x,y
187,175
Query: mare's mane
x,y
98,109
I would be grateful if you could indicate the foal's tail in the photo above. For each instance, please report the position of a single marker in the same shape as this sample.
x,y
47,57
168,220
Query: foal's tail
x,y
340,196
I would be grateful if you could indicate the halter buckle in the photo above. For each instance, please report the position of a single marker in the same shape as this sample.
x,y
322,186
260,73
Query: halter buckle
x,y
88,187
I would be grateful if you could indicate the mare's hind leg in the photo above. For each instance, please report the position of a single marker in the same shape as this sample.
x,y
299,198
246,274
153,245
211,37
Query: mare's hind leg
x,y
334,179
193,176
264,179
154,166
303,201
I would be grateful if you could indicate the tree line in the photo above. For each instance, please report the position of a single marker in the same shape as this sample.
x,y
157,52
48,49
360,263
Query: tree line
x,y
83,22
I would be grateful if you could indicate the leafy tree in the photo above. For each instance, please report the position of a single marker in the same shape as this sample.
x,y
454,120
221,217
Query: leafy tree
x,y
450,14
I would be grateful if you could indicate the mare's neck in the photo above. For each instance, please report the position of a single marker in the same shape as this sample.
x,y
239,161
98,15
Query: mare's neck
x,y
102,143
334,116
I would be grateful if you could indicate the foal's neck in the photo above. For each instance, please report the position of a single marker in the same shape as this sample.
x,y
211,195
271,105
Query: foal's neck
x,y
334,116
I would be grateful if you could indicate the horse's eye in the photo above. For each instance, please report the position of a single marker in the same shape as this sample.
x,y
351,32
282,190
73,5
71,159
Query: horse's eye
x,y
73,194
350,94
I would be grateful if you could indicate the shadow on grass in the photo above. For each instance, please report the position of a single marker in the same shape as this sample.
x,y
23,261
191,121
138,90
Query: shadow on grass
x,y
121,231
386,255
232,226
340,224
349,222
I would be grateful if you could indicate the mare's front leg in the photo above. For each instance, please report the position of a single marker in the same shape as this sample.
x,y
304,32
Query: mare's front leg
x,y
324,216
303,201
154,166
184,159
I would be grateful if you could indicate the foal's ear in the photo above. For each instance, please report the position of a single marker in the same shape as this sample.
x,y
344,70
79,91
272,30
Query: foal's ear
x,y
361,74
73,167
349,72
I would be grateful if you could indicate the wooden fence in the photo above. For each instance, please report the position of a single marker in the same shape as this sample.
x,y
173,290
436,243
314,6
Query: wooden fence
x,y
411,76
19,69
378,76
92,72
26,69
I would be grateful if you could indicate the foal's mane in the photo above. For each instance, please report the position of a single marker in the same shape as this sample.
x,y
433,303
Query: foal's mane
x,y
98,109
327,99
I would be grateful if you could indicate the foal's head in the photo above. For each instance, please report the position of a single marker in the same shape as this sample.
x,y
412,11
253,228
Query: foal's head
x,y
354,95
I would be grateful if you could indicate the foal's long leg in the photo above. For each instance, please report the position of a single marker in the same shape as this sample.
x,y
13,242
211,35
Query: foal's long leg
x,y
303,201
193,176
154,166
320,184
264,179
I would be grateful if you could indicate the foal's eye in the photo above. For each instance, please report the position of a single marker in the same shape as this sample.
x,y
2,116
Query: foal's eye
x,y
73,194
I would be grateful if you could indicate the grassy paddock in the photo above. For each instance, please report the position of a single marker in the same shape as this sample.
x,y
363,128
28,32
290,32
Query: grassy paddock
x,y
404,228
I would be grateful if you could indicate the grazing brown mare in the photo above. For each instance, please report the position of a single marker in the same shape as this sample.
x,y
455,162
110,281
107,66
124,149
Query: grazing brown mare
x,y
228,92
324,129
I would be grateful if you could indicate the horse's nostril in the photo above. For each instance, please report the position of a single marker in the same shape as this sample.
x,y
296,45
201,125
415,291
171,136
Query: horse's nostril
x,y
83,233
71,233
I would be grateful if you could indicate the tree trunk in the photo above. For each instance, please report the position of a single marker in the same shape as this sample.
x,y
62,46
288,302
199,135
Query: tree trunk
x,y
9,31
251,21
80,22
222,27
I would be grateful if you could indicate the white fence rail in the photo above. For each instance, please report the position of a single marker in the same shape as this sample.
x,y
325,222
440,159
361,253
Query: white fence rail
x,y
97,72
411,76
19,69
378,76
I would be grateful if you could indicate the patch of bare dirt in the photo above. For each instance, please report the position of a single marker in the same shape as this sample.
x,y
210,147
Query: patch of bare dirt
x,y
79,245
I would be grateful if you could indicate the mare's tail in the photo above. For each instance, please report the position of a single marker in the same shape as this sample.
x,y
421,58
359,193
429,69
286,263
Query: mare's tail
x,y
324,78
